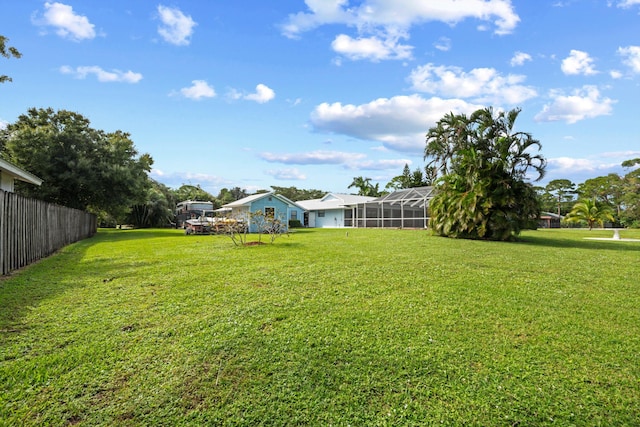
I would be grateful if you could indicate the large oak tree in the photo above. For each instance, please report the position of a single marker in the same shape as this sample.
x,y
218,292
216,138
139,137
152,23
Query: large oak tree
x,y
7,52
81,167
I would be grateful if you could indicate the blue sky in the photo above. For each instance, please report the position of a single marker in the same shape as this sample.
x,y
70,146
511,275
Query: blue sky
x,y
254,93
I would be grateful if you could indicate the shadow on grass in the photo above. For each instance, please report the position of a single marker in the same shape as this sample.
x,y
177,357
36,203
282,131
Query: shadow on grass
x,y
117,235
578,243
24,289
64,270
69,269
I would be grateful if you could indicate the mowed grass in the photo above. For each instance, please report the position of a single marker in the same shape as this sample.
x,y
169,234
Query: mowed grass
x,y
325,327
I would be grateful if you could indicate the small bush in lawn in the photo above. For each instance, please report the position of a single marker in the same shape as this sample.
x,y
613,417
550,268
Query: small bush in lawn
x,y
268,223
236,228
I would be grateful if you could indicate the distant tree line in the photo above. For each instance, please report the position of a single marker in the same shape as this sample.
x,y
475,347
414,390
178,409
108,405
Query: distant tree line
x,y
618,193
477,163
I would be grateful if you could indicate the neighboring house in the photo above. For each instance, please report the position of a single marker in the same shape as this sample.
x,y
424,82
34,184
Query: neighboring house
x,y
268,203
549,220
9,173
334,210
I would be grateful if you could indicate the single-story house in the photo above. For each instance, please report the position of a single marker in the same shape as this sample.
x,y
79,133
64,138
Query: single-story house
x,y
9,173
268,203
549,220
334,210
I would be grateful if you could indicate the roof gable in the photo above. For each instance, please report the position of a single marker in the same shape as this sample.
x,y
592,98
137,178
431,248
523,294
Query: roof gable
x,y
334,201
329,196
246,201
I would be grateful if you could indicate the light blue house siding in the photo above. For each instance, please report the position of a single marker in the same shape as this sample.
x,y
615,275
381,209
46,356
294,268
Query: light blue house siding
x,y
282,208
334,210
328,218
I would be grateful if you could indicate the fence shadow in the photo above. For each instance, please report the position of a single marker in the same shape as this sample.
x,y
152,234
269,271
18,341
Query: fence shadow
x,y
28,287
118,235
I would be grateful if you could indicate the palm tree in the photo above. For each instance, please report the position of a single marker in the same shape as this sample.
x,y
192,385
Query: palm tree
x,y
444,140
483,192
508,150
591,212
364,186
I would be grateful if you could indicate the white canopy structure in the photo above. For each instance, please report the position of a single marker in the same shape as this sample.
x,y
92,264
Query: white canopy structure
x,y
406,208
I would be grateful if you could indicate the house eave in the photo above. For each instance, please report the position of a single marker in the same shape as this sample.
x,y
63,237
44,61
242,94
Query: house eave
x,y
18,173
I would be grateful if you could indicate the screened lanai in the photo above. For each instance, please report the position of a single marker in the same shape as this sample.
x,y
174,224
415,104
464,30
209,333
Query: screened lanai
x,y
407,208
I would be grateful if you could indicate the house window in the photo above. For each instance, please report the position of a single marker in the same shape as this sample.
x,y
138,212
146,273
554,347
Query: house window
x,y
294,215
270,212
320,214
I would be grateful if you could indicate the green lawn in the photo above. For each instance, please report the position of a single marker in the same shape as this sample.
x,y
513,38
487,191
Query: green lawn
x,y
325,327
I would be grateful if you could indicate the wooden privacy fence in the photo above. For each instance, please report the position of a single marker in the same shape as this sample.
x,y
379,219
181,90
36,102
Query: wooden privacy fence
x,y
32,229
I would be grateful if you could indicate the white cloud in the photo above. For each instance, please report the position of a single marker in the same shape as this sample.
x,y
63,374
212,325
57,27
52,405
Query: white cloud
x,y
628,3
620,155
574,169
588,167
443,44
631,55
584,103
102,75
580,169
176,27
571,164
485,85
287,174
400,123
199,89
400,14
320,12
380,24
380,165
210,183
519,58
578,62
372,48
312,158
615,74
234,94
351,161
3,124
66,22
262,94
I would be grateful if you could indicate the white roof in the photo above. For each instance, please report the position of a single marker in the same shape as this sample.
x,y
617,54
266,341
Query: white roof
x,y
246,201
334,201
19,173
